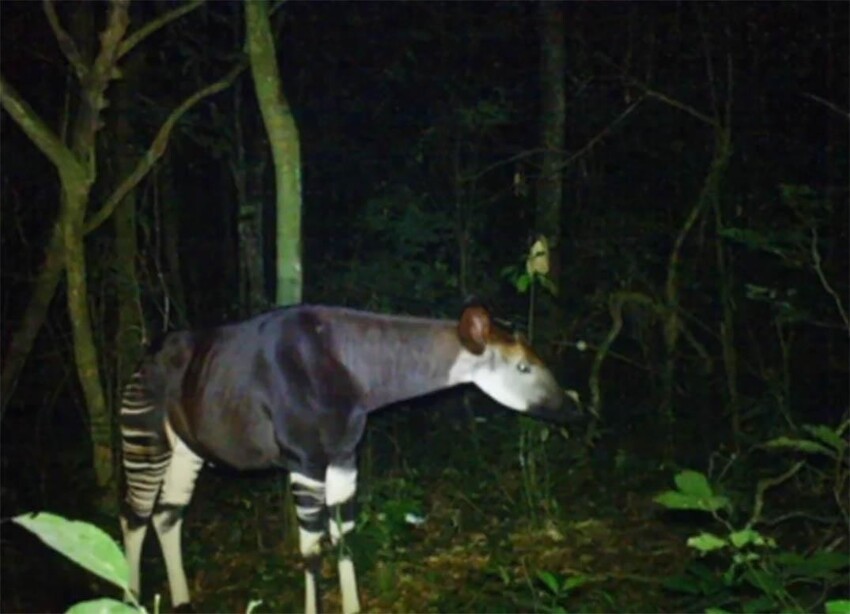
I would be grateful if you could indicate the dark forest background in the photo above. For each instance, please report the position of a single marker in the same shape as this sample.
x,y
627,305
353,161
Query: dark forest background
x,y
700,313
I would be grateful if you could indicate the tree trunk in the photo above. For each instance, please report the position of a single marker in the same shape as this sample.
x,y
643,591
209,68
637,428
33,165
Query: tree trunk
x,y
129,334
286,151
36,311
553,62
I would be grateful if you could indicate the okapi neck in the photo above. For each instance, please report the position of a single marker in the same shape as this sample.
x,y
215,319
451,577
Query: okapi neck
x,y
395,358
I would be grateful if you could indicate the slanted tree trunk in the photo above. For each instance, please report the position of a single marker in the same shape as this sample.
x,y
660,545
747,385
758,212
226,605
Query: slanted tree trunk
x,y
76,165
286,150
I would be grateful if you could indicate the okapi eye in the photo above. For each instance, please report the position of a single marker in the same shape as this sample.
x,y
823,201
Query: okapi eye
x,y
523,367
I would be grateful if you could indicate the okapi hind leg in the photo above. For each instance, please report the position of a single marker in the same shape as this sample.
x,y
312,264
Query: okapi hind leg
x,y
146,454
341,480
168,519
309,495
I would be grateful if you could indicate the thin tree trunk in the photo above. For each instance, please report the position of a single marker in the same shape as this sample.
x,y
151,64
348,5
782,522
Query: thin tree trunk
x,y
286,151
34,315
553,120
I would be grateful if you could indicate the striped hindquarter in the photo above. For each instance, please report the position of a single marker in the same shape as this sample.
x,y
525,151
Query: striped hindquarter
x,y
159,477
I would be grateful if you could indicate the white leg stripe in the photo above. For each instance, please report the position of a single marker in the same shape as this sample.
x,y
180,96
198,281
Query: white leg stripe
x,y
133,540
348,586
310,605
181,475
309,542
169,539
341,483
336,533
300,478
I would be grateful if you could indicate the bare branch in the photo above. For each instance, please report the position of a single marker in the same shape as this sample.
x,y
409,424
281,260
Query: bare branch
x,y
157,148
66,43
829,105
142,33
816,259
602,134
39,132
651,93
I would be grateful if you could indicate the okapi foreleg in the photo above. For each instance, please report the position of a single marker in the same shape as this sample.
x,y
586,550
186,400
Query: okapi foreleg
x,y
309,495
341,481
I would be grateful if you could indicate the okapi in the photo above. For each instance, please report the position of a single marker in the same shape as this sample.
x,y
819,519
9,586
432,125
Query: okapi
x,y
291,389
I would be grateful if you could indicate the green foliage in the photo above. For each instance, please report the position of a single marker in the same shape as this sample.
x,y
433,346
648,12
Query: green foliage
x,y
388,510
694,493
404,250
558,589
752,572
89,547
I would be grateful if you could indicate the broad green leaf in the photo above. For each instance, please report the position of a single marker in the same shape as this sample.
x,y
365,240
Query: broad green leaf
x,y
706,542
717,611
680,501
102,606
801,445
739,539
85,544
693,483
838,606
550,580
827,436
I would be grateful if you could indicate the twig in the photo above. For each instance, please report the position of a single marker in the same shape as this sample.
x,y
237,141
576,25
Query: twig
x,y
829,105
825,283
766,483
142,33
66,43
602,134
157,148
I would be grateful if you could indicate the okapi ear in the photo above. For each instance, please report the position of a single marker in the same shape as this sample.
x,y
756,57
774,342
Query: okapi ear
x,y
474,329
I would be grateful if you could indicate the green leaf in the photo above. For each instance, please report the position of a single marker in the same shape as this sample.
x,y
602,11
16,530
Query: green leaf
x,y
679,501
801,445
838,606
523,282
739,539
693,483
706,542
574,582
820,564
827,435
682,583
717,611
85,544
102,606
760,604
550,580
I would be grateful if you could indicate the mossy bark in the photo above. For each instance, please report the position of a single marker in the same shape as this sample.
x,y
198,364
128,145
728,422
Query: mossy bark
x,y
286,150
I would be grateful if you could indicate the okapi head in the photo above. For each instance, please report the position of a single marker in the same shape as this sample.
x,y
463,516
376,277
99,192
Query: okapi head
x,y
507,369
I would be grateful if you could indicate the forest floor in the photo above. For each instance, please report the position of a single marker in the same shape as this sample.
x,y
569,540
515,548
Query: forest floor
x,y
463,557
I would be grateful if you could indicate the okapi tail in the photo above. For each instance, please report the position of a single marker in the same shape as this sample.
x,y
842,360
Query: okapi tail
x,y
144,445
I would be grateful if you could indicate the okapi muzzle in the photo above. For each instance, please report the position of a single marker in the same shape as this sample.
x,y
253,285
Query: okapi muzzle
x,y
292,389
